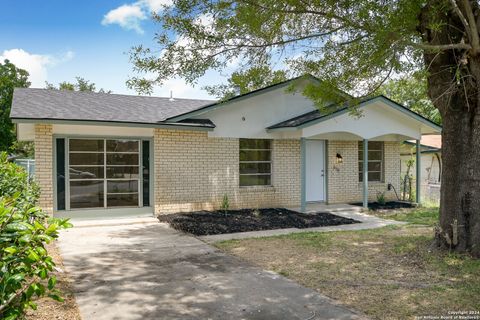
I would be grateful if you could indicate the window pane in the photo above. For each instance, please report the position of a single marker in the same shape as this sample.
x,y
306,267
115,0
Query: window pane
x,y
60,145
119,200
86,172
255,180
122,146
374,166
86,158
254,168
254,155
122,186
86,145
375,145
122,172
374,155
146,172
374,176
122,159
255,144
86,194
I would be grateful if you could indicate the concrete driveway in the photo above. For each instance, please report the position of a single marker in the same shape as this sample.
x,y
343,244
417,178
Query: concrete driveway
x,y
149,271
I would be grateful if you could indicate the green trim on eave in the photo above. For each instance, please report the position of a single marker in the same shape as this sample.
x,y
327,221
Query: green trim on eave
x,y
340,112
175,126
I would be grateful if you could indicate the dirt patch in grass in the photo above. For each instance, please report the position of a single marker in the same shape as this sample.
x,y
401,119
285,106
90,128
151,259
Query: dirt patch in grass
x,y
51,309
218,222
387,273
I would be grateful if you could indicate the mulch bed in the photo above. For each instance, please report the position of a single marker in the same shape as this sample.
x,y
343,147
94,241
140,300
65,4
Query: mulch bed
x,y
218,222
387,206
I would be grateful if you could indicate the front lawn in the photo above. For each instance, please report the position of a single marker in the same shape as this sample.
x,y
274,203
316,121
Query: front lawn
x,y
418,216
387,273
218,222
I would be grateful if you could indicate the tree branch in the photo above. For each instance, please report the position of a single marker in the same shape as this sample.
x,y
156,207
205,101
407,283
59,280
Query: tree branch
x,y
462,17
473,27
443,47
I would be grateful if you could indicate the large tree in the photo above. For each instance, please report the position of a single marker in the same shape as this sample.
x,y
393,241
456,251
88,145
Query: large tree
x,y
355,46
10,77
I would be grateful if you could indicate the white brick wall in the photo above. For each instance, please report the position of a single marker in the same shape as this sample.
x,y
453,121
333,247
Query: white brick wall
x,y
193,172
343,182
44,165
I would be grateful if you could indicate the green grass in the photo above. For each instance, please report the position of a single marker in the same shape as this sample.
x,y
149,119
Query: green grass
x,y
418,216
390,272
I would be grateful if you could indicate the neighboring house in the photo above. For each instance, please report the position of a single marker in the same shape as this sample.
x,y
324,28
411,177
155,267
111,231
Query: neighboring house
x,y
431,164
113,153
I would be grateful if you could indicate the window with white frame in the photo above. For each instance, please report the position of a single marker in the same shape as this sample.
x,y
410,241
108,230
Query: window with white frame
x,y
255,162
375,161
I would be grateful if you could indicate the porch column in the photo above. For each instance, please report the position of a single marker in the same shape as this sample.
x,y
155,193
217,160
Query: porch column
x,y
303,174
418,166
365,173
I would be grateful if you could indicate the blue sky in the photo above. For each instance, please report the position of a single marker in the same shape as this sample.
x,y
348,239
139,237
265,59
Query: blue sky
x,y
58,40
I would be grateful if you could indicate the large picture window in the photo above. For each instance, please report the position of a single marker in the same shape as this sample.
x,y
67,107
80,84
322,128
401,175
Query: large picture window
x,y
104,173
375,161
255,162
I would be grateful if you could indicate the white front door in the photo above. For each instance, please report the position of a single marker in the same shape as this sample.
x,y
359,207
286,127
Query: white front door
x,y
315,170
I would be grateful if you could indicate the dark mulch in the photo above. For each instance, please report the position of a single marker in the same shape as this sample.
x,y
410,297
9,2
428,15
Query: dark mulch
x,y
217,222
387,206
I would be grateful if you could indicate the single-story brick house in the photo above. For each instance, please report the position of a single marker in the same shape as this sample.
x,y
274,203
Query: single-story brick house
x,y
100,154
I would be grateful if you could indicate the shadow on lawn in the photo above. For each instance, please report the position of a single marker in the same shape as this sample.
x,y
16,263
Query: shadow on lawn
x,y
134,273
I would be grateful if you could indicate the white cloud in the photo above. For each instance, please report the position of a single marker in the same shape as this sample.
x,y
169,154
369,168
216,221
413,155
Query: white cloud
x,y
156,5
127,16
35,64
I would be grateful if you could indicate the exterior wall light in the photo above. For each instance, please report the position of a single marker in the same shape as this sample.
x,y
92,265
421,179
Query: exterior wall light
x,y
339,159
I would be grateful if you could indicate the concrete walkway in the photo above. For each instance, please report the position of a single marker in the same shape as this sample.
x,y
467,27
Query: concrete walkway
x,y
347,211
146,270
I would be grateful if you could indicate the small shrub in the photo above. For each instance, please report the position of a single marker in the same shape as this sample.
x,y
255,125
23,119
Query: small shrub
x,y
381,198
225,203
25,265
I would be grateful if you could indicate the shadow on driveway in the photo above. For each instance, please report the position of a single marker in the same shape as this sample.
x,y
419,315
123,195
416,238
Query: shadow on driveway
x,y
148,271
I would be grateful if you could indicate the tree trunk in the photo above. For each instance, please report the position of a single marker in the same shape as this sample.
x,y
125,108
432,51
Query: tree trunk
x,y
453,86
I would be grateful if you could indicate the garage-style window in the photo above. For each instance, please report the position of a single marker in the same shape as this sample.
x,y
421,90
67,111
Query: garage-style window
x,y
255,162
375,161
104,173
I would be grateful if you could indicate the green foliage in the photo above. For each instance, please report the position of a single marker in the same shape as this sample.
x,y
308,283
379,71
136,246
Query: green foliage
x,y
10,77
225,203
412,92
241,82
352,46
80,85
25,266
381,198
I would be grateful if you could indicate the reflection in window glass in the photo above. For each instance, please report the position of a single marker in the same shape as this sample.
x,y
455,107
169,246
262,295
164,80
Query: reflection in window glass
x,y
375,161
86,194
255,162
93,161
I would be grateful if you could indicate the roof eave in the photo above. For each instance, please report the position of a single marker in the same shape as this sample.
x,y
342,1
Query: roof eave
x,y
382,98
178,126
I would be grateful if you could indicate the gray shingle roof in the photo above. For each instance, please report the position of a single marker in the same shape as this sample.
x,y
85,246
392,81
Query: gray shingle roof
x,y
29,103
